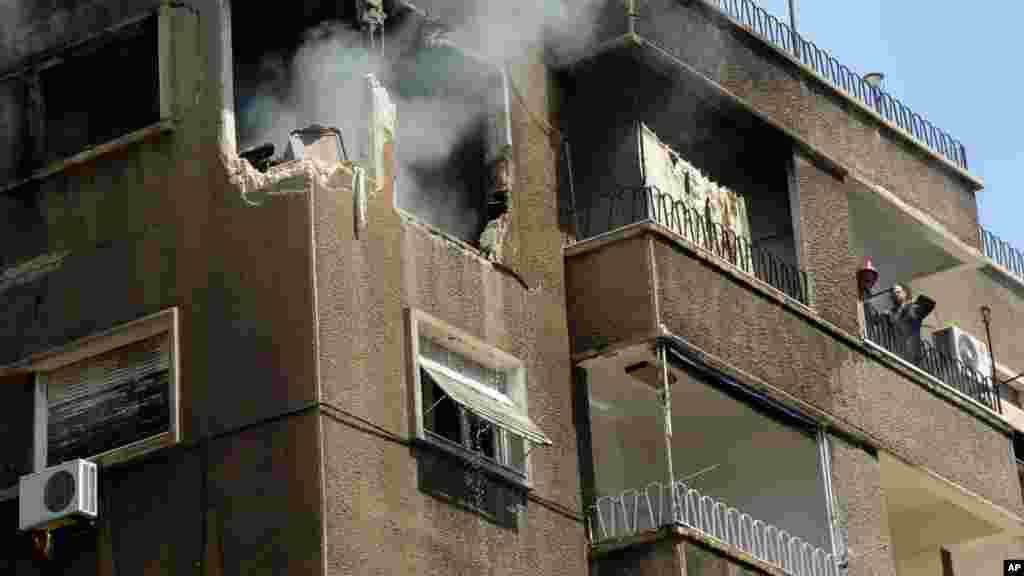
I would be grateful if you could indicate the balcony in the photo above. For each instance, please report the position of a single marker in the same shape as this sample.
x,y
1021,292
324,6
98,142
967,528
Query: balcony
x,y
657,505
649,204
939,365
677,445
1008,260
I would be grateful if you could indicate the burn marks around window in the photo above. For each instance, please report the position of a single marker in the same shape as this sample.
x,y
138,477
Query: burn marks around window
x,y
60,104
313,71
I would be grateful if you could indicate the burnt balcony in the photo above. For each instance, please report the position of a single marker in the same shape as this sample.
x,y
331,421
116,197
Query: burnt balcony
x,y
634,205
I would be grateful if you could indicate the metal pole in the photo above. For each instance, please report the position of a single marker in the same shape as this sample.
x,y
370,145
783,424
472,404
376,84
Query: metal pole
x,y
666,399
986,317
792,29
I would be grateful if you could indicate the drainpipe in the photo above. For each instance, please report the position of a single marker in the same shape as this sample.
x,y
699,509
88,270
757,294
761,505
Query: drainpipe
x,y
666,401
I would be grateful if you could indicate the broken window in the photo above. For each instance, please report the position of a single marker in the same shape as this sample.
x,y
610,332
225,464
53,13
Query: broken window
x,y
451,145
93,93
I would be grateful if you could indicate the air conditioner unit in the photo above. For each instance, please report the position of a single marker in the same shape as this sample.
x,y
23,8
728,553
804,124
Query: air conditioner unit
x,y
57,494
969,350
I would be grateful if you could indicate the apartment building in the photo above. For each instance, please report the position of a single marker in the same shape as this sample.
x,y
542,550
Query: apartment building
x,y
437,287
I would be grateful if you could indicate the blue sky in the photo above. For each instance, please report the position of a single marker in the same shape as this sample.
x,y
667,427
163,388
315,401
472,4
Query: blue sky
x,y
959,65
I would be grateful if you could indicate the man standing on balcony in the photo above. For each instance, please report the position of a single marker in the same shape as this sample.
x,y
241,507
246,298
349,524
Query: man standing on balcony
x,y
906,318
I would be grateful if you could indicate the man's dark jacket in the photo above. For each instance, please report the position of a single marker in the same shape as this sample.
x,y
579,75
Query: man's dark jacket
x,y
906,323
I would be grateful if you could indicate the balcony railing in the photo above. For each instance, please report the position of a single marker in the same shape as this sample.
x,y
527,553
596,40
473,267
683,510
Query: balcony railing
x,y
1002,253
759,21
658,505
948,370
647,203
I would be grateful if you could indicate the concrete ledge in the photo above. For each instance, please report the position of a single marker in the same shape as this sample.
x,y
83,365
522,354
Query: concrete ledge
x,y
90,154
678,534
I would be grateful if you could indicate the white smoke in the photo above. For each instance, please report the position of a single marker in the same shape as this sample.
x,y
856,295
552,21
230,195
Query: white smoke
x,y
323,83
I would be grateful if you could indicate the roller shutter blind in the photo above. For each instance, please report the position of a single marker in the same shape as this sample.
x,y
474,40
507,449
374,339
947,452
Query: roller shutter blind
x,y
107,401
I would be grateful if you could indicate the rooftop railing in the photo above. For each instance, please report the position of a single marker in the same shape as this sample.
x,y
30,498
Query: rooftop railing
x,y
1002,253
947,369
658,505
749,15
647,203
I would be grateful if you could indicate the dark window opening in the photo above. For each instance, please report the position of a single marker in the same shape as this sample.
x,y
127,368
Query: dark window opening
x,y
483,437
16,428
100,93
92,94
441,413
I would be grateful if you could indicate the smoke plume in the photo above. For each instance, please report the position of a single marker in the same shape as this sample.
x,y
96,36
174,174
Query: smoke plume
x,y
442,97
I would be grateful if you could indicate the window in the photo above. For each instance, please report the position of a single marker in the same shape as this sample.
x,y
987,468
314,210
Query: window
x,y
110,397
108,87
471,398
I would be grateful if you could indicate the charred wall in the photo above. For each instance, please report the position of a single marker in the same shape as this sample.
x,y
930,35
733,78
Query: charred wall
x,y
731,146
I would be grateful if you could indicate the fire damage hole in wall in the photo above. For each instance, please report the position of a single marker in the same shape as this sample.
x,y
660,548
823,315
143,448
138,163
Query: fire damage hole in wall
x,y
312,71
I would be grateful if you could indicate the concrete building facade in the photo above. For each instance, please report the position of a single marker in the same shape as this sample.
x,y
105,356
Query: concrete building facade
x,y
457,288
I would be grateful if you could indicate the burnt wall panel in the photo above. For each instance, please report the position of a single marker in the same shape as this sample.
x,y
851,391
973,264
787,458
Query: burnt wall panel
x,y
16,427
773,87
119,236
727,319
39,26
611,297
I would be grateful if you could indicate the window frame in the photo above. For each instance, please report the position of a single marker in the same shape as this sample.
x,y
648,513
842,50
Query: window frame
x,y
164,322
31,74
501,442
421,324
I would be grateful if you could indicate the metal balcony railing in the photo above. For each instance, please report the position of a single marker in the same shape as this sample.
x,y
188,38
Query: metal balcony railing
x,y
658,505
1002,253
947,369
647,203
751,16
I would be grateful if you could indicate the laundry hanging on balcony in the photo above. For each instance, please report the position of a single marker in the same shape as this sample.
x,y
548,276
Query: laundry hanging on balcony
x,y
676,182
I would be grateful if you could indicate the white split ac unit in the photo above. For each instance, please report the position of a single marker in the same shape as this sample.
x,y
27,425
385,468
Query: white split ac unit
x,y
966,348
57,493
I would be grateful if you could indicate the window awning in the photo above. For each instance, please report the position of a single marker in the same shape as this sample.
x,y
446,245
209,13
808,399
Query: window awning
x,y
504,413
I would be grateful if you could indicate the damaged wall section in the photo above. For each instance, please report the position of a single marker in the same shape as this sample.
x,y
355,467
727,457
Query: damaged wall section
x,y
452,147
